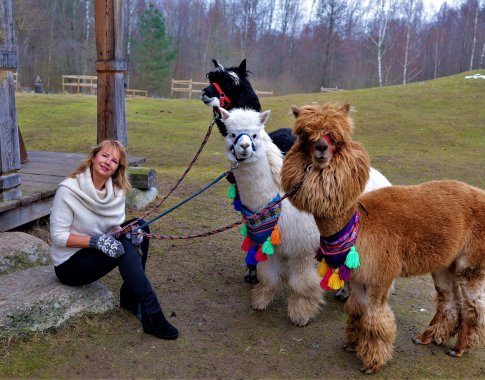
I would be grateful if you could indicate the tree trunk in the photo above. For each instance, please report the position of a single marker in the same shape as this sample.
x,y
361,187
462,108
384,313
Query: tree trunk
x,y
472,55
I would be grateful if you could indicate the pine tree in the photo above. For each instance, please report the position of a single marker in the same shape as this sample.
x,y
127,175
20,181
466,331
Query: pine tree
x,y
153,52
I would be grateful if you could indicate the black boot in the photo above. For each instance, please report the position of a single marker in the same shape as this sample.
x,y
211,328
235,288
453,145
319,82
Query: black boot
x,y
128,300
251,276
156,324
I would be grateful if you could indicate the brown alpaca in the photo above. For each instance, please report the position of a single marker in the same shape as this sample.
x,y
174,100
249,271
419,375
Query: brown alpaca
x,y
436,227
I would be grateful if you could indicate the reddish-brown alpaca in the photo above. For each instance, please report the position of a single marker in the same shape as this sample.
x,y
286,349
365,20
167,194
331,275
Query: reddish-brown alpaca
x,y
435,227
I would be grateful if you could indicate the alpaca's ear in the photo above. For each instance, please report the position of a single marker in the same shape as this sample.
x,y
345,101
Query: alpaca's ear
x,y
224,114
346,108
217,64
263,117
295,110
242,67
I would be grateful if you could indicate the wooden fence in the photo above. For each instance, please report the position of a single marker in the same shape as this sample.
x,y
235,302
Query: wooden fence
x,y
330,89
189,86
186,86
90,83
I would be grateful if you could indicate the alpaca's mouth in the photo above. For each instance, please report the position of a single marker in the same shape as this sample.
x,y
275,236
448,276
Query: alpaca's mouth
x,y
211,102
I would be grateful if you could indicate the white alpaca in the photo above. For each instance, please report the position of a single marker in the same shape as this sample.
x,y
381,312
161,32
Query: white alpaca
x,y
258,182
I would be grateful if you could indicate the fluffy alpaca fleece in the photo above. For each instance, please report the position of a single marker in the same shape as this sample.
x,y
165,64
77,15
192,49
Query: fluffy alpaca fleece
x,y
258,181
435,227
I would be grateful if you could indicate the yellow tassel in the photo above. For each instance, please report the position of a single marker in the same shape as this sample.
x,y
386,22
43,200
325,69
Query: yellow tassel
x,y
275,236
322,268
334,282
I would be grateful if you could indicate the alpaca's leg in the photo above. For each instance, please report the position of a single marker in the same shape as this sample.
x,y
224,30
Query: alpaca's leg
x,y
354,308
472,311
306,295
269,276
444,324
376,329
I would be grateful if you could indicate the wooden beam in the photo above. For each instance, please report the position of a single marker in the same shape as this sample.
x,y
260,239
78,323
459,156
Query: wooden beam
x,y
9,138
111,66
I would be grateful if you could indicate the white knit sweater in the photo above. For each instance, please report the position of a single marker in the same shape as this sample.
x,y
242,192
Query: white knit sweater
x,y
80,209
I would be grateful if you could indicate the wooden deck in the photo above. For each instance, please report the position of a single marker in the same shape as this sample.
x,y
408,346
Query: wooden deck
x,y
40,177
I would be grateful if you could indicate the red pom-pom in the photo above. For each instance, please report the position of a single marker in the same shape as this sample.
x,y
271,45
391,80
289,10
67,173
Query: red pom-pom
x,y
260,256
324,282
246,244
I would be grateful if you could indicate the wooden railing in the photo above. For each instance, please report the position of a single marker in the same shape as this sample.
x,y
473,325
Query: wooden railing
x,y
189,86
264,93
136,93
90,82
186,86
329,89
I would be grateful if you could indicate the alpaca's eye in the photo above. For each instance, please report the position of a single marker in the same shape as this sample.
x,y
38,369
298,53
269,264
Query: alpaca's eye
x,y
254,136
233,135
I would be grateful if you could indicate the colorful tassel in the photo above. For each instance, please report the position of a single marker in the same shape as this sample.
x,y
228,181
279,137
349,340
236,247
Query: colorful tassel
x,y
237,204
344,273
324,282
246,244
275,236
244,230
251,257
268,248
260,256
322,268
335,282
352,261
231,193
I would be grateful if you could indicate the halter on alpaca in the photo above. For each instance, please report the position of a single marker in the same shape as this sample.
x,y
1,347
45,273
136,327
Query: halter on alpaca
x,y
229,88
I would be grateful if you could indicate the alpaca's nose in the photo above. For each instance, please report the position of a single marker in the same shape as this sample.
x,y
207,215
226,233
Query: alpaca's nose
x,y
321,146
245,145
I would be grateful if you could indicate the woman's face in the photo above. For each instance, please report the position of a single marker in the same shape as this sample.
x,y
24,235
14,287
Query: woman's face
x,y
105,163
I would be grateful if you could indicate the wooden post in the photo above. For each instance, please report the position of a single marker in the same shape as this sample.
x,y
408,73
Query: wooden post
x,y
111,66
9,138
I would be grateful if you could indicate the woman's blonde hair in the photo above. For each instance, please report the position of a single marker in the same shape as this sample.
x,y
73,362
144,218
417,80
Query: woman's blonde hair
x,y
120,176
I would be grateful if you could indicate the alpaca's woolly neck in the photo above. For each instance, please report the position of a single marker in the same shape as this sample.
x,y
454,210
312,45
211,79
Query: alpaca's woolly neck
x,y
256,184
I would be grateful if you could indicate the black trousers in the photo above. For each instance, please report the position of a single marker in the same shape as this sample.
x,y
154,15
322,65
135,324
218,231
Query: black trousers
x,y
88,265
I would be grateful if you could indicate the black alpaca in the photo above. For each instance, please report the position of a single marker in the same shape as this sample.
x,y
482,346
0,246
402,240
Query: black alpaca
x,y
230,88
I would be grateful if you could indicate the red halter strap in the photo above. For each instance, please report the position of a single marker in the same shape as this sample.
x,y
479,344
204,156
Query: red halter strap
x,y
224,101
327,139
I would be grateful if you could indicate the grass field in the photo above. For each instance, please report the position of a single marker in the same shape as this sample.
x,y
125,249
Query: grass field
x,y
414,133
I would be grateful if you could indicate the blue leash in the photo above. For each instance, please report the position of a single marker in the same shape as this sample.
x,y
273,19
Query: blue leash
x,y
213,182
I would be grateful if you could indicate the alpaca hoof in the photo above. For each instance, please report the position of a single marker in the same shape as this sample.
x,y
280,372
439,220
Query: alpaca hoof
x,y
250,279
369,370
300,322
416,340
455,354
350,347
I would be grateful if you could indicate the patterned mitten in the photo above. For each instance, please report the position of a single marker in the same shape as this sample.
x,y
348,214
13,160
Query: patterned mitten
x,y
107,244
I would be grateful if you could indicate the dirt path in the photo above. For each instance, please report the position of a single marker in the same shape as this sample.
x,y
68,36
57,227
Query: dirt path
x,y
201,288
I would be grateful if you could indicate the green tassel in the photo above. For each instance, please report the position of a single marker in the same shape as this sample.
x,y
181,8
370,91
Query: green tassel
x,y
268,247
232,191
352,261
244,230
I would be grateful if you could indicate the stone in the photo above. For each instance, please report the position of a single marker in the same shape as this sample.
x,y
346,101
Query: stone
x,y
34,300
19,250
139,199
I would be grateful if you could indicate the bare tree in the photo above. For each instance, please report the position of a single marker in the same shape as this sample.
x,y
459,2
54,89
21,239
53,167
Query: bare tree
x,y
412,10
382,10
476,4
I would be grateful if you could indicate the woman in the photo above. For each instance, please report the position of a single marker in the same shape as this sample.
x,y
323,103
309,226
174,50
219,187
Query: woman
x,y
88,207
